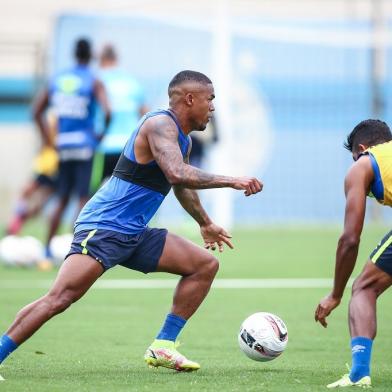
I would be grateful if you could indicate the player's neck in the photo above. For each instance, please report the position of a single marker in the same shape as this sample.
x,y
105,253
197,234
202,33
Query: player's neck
x,y
181,119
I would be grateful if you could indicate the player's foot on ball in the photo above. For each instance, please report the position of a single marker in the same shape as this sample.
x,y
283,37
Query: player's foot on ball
x,y
164,353
364,382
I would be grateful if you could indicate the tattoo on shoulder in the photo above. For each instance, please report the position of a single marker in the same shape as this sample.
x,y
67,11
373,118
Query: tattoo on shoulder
x,y
163,129
163,139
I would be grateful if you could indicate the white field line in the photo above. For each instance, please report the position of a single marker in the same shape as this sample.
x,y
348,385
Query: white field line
x,y
113,284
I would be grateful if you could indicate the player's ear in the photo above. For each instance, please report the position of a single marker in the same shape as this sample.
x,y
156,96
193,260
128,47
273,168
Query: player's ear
x,y
362,147
189,99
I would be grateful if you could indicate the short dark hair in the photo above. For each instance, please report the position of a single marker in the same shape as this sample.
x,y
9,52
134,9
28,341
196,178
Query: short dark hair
x,y
369,132
188,75
83,50
109,53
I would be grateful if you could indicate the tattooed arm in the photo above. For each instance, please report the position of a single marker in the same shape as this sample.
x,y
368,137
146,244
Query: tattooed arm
x,y
189,199
162,136
212,234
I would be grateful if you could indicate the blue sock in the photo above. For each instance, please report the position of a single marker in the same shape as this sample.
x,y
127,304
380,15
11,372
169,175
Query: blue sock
x,y
171,328
361,350
48,253
7,345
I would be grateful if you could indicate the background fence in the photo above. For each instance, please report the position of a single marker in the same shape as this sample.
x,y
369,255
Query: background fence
x,y
289,89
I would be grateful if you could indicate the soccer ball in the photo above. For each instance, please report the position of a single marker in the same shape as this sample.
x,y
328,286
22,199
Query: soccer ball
x,y
263,336
20,251
59,247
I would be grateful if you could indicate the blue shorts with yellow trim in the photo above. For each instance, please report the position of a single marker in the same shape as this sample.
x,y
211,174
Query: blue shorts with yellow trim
x,y
382,254
140,252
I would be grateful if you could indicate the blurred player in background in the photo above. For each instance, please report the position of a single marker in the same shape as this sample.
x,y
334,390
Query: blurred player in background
x,y
42,186
72,94
371,175
112,227
127,104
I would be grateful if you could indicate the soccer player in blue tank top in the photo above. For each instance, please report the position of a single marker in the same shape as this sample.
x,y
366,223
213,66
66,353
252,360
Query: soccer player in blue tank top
x,y
112,227
73,94
371,174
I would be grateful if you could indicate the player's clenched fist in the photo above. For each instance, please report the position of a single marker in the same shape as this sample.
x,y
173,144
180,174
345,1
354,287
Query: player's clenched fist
x,y
251,185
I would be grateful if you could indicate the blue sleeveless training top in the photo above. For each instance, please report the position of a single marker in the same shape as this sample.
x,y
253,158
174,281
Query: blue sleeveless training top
x,y
126,97
130,198
72,97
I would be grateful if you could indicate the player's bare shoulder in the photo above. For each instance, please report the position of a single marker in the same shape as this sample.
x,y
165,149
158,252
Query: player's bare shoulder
x,y
153,135
160,125
162,135
360,173
362,165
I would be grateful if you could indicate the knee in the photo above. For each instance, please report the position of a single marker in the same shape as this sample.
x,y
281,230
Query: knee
x,y
357,287
58,303
362,287
211,266
364,282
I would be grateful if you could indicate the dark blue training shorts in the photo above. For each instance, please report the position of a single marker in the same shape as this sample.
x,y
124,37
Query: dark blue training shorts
x,y
140,252
382,255
44,180
74,177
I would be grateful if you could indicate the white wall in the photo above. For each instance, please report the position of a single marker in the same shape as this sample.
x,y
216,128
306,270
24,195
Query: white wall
x,y
18,144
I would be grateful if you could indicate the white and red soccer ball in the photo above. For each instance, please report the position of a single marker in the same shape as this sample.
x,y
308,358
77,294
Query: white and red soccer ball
x,y
263,336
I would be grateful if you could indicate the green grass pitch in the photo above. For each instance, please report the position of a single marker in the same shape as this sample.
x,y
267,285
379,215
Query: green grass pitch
x,y
98,344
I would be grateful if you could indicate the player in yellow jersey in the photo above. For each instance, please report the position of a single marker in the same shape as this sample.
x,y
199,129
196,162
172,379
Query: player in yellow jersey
x,y
371,175
38,190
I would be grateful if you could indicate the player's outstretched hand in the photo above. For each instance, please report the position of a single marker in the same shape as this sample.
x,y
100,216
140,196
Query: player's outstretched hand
x,y
215,236
324,308
250,185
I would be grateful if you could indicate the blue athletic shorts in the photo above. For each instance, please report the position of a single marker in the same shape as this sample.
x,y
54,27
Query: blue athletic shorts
x,y
74,177
382,254
140,252
44,180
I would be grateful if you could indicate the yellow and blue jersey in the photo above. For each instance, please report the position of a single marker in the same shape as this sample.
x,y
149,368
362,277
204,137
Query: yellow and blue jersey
x,y
381,159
